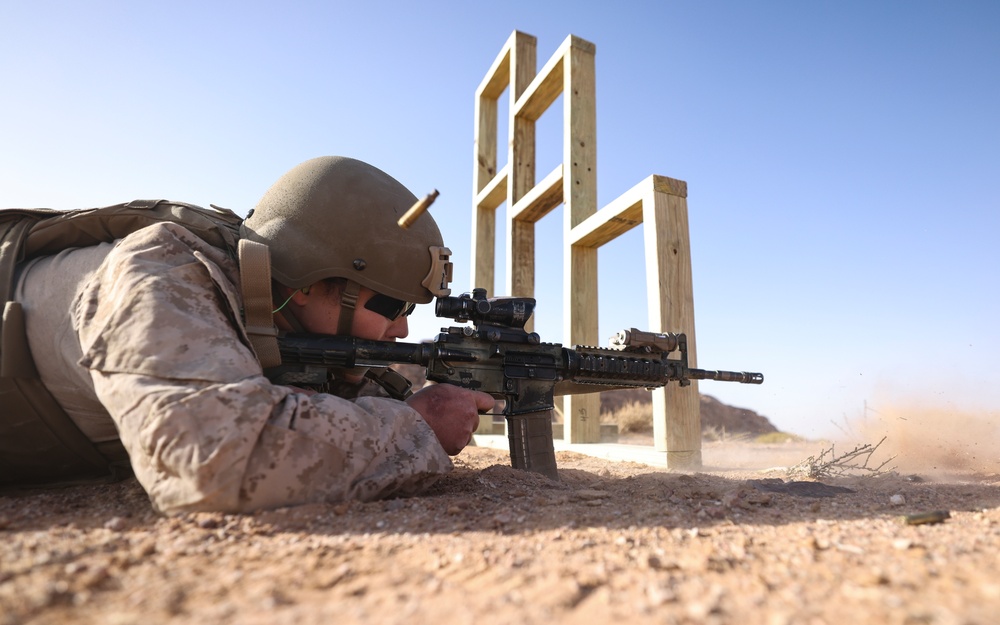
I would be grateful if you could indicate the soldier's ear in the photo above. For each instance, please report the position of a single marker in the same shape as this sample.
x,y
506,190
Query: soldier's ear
x,y
301,296
286,295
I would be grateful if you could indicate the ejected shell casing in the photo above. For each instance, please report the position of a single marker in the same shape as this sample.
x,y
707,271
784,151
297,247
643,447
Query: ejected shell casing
x,y
418,209
926,518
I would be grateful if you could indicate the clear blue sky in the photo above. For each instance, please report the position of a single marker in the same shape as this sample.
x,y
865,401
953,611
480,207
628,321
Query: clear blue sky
x,y
842,158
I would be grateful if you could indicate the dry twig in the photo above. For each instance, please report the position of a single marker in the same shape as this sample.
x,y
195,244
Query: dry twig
x,y
850,464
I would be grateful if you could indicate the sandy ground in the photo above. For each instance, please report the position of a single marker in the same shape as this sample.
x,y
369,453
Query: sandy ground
x,y
612,541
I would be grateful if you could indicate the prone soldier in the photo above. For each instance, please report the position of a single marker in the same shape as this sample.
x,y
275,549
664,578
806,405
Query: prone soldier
x,y
142,343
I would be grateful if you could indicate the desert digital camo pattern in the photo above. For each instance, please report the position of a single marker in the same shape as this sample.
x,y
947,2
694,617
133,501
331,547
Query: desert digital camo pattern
x,y
157,328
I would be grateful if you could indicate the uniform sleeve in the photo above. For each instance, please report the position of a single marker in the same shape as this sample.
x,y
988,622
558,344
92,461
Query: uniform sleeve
x,y
204,429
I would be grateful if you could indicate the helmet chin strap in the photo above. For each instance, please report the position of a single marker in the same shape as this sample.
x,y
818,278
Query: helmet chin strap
x,y
348,301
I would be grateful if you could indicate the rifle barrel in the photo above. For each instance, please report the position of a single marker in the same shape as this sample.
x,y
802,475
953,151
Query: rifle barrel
x,y
743,377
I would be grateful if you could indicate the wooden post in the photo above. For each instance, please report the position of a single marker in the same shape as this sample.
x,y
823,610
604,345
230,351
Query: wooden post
x,y
521,178
484,216
582,412
676,409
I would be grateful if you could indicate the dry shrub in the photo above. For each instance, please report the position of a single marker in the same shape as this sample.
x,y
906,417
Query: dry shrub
x,y
633,416
854,463
720,434
777,438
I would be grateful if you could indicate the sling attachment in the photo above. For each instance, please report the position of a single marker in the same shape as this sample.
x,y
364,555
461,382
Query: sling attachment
x,y
255,283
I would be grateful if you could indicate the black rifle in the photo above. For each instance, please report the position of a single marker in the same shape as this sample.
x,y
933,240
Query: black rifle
x,y
496,355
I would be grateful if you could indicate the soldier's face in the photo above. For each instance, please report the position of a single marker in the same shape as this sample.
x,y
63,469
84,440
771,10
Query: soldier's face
x,y
319,312
369,324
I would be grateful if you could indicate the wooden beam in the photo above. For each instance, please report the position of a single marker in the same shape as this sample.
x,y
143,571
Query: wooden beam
x,y
579,133
548,84
623,213
495,192
541,199
543,90
485,143
498,75
485,181
582,412
521,178
483,251
607,225
521,266
617,218
521,144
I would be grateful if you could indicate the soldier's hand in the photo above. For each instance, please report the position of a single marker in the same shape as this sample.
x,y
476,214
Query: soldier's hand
x,y
452,412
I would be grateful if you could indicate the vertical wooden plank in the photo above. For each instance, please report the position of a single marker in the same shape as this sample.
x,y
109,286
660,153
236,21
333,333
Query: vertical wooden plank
x,y
484,243
582,412
484,169
521,154
521,177
521,261
676,409
579,132
485,162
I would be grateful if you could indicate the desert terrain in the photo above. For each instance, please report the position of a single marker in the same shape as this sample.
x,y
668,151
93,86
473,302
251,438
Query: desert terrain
x,y
742,540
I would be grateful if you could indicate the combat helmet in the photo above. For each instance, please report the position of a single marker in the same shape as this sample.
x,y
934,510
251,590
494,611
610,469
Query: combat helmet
x,y
336,217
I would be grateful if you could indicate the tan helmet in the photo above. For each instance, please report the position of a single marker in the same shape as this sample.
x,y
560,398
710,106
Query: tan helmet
x,y
336,217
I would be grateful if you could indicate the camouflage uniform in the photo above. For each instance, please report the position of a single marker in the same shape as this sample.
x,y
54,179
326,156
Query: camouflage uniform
x,y
152,352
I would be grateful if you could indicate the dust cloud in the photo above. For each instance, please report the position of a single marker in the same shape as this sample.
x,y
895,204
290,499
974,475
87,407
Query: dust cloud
x,y
928,438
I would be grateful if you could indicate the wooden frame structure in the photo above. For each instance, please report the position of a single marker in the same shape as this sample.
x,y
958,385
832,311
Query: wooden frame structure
x,y
658,202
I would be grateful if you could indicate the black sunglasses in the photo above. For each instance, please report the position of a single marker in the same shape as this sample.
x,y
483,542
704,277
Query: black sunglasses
x,y
389,307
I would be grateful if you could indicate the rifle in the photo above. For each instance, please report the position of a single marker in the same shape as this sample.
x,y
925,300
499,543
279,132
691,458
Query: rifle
x,y
498,356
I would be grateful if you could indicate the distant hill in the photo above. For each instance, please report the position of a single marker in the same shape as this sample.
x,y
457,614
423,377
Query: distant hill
x,y
715,415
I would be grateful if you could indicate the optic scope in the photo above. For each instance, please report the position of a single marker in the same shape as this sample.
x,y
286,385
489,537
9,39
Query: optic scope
x,y
512,312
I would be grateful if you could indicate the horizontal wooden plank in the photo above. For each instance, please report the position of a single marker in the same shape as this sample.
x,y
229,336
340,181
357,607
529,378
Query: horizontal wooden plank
x,y
541,199
543,90
617,218
548,84
495,192
498,76
623,213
